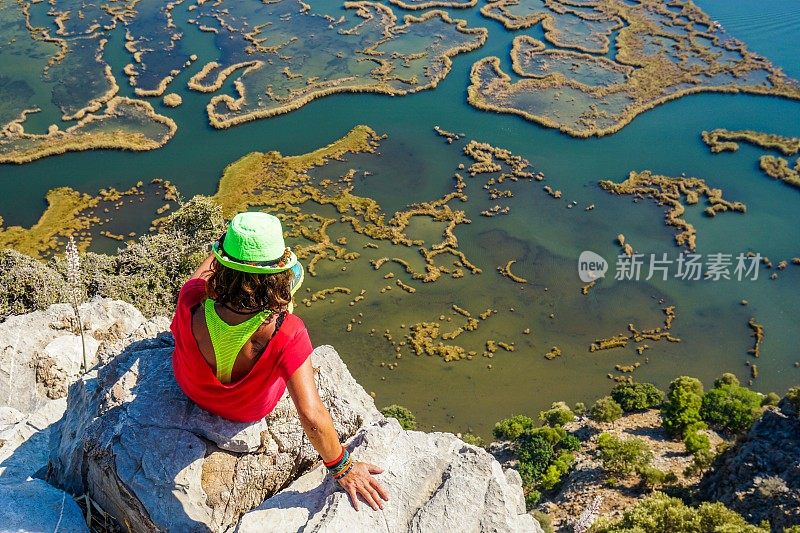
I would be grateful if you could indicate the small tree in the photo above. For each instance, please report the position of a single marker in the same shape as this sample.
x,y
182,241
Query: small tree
x,y
402,414
605,410
512,428
558,414
622,457
730,406
637,396
682,406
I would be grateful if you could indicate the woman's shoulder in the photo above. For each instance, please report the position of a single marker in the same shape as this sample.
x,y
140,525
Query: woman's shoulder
x,y
192,292
292,324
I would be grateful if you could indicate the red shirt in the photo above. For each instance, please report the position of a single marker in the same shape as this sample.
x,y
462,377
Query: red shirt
x,y
255,395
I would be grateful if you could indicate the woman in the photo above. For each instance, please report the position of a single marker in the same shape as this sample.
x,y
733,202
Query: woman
x,y
238,347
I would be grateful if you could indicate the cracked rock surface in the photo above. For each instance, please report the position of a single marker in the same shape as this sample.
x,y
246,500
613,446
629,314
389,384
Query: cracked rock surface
x,y
759,477
436,482
155,461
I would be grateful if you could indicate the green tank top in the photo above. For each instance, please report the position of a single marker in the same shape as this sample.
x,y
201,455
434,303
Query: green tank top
x,y
228,340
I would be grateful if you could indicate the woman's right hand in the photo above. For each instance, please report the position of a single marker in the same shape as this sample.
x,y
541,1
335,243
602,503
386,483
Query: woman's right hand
x,y
359,481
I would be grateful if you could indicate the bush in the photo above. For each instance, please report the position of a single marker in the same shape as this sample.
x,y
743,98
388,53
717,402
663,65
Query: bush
x,y
682,406
653,477
701,460
726,379
402,414
28,284
512,428
605,410
637,396
730,406
558,414
556,470
200,220
570,442
696,442
552,435
532,497
475,440
659,513
579,409
793,395
622,457
149,272
770,399
534,453
544,521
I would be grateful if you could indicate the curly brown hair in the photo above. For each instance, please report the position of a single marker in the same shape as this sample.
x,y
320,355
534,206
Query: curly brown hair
x,y
246,291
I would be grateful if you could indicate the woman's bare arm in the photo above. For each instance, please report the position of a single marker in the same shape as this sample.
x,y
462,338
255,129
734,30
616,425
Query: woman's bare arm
x,y
204,270
318,425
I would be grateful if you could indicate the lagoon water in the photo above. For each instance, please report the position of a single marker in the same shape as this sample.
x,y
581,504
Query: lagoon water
x,y
540,233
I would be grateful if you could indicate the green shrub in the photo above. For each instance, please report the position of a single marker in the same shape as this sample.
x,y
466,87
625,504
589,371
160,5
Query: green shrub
x,y
771,399
726,379
570,442
556,470
200,220
553,435
558,414
696,442
475,440
534,453
512,428
701,460
579,409
149,272
605,410
544,521
793,395
659,513
532,497
653,477
682,406
621,457
730,406
28,284
637,396
402,414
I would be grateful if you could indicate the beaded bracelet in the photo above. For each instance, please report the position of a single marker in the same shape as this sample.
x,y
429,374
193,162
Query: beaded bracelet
x,y
339,467
347,471
341,470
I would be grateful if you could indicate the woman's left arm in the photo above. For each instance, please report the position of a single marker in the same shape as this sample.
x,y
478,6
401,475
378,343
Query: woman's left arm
x,y
204,270
318,426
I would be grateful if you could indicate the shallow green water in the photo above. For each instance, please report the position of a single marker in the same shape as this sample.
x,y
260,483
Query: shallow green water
x,y
540,233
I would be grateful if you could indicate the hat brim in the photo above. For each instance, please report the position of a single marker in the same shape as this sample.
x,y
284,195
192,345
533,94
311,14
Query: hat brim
x,y
299,275
252,269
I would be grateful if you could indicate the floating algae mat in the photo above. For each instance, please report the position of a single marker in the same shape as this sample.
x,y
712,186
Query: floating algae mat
x,y
428,163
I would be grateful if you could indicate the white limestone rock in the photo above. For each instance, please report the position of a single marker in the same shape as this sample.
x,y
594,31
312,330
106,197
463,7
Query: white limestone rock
x,y
436,482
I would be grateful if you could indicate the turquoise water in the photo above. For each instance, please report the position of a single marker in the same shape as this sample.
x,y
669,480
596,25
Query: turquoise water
x,y
541,233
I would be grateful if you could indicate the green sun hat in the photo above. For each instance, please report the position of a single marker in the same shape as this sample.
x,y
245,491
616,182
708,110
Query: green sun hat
x,y
253,242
